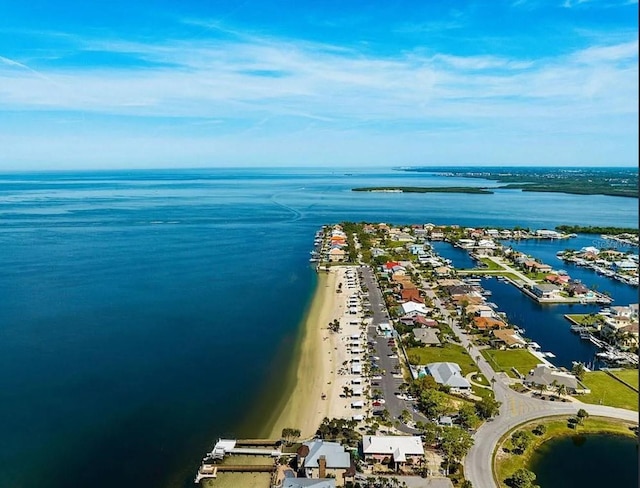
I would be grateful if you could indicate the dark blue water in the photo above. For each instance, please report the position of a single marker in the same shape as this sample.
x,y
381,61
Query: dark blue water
x,y
459,257
589,461
143,313
546,250
544,324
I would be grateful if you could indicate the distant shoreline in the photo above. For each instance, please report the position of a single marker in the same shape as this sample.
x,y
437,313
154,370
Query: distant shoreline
x,y
425,189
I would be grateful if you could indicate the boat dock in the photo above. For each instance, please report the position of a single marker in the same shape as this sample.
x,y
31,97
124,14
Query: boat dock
x,y
211,466
212,470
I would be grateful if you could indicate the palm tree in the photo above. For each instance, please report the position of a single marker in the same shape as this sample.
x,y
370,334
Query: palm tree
x,y
541,388
561,390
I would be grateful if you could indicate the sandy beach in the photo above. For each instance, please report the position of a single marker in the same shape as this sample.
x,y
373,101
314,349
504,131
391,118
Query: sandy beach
x,y
320,368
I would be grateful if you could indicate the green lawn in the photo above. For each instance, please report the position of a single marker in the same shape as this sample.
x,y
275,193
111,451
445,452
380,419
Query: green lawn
x,y
627,375
449,353
606,390
520,359
491,265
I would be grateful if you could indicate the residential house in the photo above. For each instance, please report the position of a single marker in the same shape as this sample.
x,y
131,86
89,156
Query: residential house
x,y
557,279
506,338
545,375
392,450
480,310
336,255
487,323
546,291
441,271
576,289
427,336
412,308
424,322
323,459
448,374
411,294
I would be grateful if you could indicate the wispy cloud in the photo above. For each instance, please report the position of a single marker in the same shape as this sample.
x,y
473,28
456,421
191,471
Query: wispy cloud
x,y
269,86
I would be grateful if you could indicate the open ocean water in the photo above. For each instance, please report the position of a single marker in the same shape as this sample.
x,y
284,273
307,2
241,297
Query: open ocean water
x,y
145,313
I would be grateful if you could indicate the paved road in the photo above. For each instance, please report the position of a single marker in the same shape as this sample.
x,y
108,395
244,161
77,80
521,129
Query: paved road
x,y
516,408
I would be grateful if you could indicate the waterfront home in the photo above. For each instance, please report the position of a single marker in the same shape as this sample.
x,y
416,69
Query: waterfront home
x,y
480,310
506,339
575,289
557,279
395,451
308,483
448,374
428,337
322,459
336,255
547,376
548,234
441,271
546,291
487,323
436,236
535,266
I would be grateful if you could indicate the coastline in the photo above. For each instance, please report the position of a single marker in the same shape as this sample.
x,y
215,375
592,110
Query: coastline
x,y
303,390
315,372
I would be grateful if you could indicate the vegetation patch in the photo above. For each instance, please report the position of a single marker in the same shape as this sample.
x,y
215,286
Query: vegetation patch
x,y
629,376
515,449
448,353
520,359
606,390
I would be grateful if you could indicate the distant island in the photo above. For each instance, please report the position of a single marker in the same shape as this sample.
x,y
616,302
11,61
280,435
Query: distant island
x,y
579,229
426,189
620,182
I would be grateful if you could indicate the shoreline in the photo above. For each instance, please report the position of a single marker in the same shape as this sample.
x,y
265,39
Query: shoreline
x,y
315,389
290,410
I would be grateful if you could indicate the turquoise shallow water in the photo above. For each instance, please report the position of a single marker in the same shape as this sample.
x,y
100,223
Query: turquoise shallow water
x,y
142,313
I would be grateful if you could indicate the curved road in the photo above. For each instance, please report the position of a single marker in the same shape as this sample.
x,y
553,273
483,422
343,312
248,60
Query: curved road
x,y
516,409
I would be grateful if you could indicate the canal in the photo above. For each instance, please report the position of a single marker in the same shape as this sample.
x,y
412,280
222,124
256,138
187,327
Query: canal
x,y
545,324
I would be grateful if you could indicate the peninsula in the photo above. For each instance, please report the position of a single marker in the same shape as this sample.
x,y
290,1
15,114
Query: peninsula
x,y
402,361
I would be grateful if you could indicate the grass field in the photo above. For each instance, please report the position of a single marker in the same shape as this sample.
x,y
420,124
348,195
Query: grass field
x,y
449,353
506,463
606,390
628,376
520,359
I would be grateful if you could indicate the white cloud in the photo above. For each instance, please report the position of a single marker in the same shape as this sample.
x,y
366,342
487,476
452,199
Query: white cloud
x,y
282,91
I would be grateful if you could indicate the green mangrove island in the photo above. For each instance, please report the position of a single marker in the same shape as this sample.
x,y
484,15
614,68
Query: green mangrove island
x,y
426,189
621,182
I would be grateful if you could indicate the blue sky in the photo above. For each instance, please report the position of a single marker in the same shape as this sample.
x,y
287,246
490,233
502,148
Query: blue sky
x,y
113,84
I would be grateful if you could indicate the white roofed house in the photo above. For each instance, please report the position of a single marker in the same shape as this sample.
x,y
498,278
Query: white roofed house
x,y
395,451
412,309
